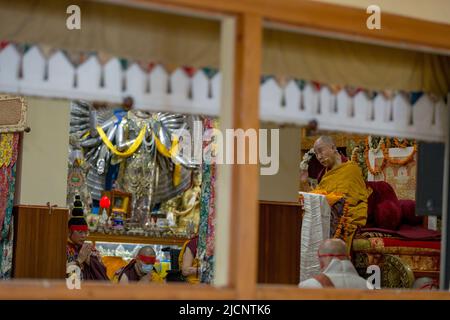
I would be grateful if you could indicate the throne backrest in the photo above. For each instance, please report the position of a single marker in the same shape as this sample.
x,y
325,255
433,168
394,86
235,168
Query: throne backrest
x,y
383,191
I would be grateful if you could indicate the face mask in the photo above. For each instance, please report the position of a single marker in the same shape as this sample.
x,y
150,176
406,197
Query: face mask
x,y
146,268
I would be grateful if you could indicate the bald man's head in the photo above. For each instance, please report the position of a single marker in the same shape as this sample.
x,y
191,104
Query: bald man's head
x,y
145,259
332,249
147,251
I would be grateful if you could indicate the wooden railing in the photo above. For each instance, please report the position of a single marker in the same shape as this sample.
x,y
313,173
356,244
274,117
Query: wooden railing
x,y
116,238
57,290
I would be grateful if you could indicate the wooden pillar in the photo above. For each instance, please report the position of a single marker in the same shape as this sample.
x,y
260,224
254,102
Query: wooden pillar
x,y
445,241
224,172
244,223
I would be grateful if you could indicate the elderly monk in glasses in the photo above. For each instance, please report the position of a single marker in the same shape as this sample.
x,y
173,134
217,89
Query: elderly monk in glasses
x,y
344,178
141,268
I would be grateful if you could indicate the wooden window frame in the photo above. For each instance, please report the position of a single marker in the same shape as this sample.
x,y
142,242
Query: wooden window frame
x,y
239,277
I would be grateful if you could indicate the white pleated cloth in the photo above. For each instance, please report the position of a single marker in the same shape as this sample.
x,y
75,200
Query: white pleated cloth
x,y
315,229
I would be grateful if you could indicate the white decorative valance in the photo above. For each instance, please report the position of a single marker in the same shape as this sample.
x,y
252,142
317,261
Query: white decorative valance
x,y
155,90
377,114
158,90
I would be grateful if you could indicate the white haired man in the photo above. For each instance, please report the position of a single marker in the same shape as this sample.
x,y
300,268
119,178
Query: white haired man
x,y
337,271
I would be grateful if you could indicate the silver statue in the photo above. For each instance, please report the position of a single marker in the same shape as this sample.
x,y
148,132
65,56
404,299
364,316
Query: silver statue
x,y
138,141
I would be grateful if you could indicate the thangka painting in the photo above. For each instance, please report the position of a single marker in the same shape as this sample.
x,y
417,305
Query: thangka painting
x,y
402,177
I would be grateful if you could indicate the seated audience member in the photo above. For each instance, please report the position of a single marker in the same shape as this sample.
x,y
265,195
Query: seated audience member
x,y
189,262
78,252
426,283
337,271
140,269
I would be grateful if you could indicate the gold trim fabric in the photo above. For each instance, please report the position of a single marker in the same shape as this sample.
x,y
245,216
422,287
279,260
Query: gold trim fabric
x,y
419,259
12,114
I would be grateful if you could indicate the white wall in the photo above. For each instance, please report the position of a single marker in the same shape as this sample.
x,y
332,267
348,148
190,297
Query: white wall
x,y
42,174
283,186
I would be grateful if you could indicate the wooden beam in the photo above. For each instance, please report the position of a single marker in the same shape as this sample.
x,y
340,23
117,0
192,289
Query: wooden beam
x,y
57,290
280,203
329,18
275,292
350,24
222,6
244,224
123,238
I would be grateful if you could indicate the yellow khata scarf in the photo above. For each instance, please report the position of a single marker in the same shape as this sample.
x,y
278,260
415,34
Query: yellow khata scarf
x,y
132,149
176,179
156,277
331,197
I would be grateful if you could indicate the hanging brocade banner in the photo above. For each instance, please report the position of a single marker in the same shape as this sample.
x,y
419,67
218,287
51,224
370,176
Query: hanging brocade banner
x,y
8,157
207,213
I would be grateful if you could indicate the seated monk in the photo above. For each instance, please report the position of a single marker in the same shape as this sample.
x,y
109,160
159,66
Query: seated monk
x,y
82,254
342,179
140,269
337,271
189,261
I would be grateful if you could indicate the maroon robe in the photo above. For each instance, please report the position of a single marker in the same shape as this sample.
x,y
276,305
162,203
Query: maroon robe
x,y
192,245
130,271
95,270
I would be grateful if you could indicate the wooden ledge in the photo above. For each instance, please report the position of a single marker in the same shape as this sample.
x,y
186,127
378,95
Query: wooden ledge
x,y
280,203
118,238
283,292
57,290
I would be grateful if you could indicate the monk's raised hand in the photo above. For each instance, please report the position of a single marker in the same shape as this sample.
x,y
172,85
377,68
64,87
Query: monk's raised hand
x,y
84,253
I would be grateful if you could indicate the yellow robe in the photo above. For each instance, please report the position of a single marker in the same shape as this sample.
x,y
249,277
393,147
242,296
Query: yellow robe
x,y
193,279
347,180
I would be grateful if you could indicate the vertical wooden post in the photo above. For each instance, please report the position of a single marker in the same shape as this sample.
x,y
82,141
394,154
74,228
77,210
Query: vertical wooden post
x,y
224,171
244,223
445,226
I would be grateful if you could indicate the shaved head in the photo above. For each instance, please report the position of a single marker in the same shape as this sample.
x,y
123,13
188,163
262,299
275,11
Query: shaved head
x,y
331,249
145,258
147,251
333,246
